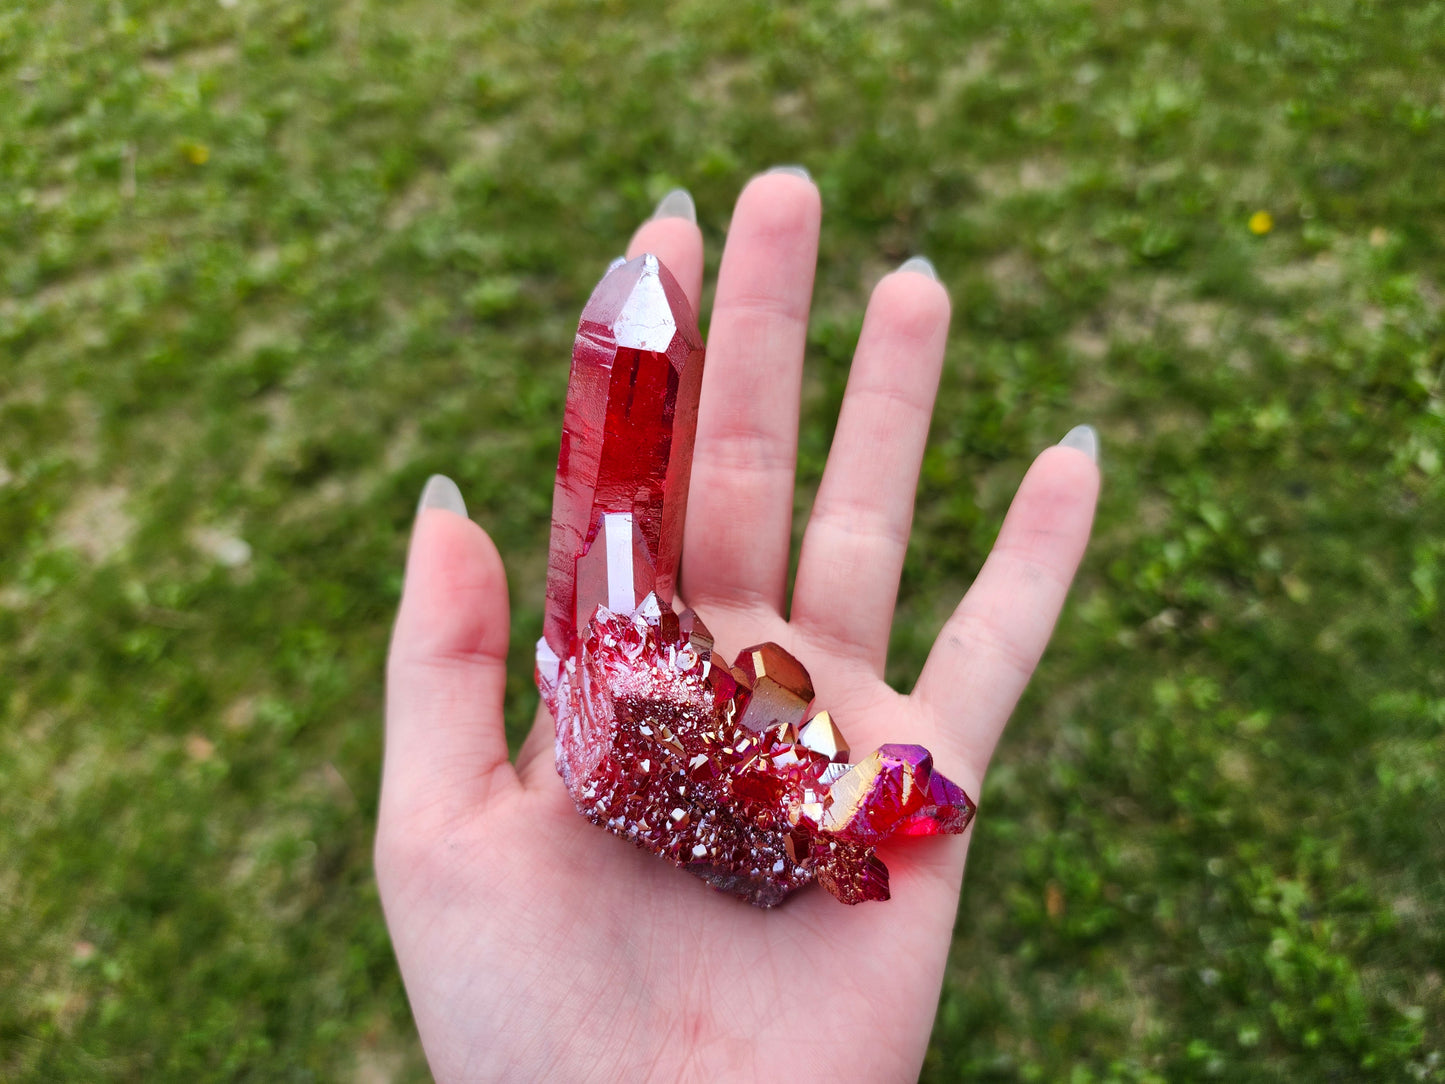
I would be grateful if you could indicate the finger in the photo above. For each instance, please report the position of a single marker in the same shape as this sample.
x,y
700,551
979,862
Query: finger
x,y
446,672
740,511
857,535
671,234
988,649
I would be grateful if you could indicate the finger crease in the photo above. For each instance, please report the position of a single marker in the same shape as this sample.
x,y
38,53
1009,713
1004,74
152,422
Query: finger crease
x,y
1033,570
845,517
967,629
750,453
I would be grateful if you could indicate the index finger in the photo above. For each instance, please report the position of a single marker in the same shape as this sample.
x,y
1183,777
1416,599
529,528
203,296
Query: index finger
x,y
671,234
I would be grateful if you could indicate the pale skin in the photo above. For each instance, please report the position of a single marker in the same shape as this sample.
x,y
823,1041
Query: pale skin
x,y
536,946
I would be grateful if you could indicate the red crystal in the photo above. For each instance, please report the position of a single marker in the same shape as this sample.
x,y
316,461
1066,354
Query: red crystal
x,y
615,568
628,430
822,735
779,689
720,770
894,791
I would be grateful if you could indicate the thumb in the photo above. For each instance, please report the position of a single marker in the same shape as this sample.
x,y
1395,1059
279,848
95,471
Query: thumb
x,y
446,748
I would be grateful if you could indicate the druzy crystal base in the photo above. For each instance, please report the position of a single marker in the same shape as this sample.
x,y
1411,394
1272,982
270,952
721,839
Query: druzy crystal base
x,y
726,771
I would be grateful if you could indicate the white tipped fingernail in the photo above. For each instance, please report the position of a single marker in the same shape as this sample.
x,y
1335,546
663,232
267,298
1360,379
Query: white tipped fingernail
x,y
615,264
1084,438
441,492
921,264
677,204
796,171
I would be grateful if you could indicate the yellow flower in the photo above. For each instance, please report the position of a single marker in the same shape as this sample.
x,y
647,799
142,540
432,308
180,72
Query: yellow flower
x,y
1260,223
198,154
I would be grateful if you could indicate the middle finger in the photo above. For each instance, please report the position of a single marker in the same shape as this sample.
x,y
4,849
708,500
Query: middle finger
x,y
740,510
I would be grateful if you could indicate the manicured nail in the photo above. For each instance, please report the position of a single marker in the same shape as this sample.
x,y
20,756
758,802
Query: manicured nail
x,y
442,492
615,264
921,264
676,204
1084,438
796,171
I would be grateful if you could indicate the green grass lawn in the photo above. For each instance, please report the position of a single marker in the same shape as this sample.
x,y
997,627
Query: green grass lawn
x,y
265,265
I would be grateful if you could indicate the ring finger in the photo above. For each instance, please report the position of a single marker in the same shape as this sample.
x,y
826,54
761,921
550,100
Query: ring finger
x,y
857,536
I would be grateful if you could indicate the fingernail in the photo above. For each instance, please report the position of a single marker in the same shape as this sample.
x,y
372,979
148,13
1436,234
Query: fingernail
x,y
1084,438
614,265
677,204
921,264
442,492
796,171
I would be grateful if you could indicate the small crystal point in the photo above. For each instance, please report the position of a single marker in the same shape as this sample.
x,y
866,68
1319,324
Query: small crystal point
x,y
894,791
852,876
947,811
822,735
779,689
696,632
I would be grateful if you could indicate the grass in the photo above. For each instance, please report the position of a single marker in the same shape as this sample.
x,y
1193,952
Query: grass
x,y
266,265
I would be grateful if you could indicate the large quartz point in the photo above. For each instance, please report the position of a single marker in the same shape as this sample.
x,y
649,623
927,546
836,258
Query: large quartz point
x,y
626,436
727,771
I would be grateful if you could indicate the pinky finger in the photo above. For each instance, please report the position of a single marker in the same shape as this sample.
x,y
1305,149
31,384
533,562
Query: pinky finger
x,y
987,651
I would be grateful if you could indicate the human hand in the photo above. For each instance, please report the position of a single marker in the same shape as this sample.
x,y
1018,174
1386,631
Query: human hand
x,y
534,946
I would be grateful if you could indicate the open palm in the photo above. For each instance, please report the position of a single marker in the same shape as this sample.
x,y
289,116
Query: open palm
x,y
534,946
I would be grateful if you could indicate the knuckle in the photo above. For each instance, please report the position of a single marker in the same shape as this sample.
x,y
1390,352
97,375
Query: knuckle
x,y
974,635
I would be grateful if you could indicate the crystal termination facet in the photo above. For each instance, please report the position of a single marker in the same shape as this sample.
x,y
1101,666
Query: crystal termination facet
x,y
725,771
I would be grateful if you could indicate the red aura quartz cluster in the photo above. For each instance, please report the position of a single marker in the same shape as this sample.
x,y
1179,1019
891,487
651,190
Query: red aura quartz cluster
x,y
727,771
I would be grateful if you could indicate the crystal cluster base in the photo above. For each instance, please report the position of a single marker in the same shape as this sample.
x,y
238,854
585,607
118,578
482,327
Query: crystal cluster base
x,y
726,771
